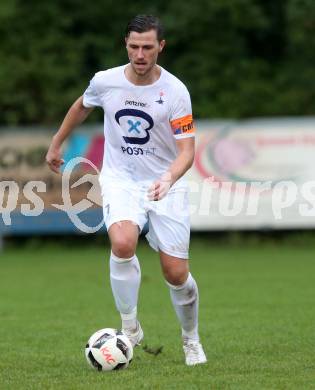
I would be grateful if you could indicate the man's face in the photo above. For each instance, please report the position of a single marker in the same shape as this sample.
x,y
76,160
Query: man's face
x,y
143,50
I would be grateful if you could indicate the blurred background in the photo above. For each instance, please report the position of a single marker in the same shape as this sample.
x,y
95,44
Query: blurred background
x,y
249,66
240,59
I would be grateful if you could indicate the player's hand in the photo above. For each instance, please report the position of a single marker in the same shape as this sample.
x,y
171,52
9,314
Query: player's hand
x,y
53,158
160,187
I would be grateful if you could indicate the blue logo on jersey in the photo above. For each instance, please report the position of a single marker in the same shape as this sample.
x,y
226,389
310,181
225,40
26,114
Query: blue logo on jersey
x,y
134,125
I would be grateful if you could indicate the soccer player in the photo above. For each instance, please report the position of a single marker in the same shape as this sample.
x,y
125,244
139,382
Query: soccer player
x,y
149,146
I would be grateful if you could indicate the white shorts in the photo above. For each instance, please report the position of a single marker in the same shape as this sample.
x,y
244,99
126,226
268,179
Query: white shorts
x,y
168,219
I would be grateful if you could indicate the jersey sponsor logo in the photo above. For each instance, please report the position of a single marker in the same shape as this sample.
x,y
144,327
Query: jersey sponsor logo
x,y
184,125
135,125
136,151
134,103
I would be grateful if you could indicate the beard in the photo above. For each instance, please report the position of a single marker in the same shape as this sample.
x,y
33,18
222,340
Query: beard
x,y
142,72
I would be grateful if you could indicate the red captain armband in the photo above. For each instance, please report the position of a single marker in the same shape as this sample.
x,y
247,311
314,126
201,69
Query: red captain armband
x,y
184,125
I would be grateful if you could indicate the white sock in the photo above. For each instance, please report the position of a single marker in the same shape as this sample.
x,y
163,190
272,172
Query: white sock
x,y
125,276
185,300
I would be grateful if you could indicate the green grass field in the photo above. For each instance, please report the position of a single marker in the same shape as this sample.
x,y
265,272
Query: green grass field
x,y
257,314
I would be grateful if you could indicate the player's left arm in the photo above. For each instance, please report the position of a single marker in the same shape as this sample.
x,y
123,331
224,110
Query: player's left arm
x,y
183,161
182,126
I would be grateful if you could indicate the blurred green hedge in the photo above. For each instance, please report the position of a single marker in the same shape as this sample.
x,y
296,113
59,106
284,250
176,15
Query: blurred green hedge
x,y
239,58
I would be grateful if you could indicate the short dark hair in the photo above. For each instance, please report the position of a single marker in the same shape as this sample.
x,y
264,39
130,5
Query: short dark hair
x,y
144,23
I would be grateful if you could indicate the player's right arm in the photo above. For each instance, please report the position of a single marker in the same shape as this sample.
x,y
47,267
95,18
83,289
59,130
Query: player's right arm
x,y
74,117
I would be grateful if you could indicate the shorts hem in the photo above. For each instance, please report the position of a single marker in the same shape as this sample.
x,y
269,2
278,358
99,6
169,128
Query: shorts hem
x,y
120,219
157,248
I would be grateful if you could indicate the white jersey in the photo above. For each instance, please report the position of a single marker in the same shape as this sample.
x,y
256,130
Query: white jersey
x,y
141,123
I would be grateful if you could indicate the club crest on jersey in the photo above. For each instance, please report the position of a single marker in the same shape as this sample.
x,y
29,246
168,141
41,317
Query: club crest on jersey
x,y
135,123
160,101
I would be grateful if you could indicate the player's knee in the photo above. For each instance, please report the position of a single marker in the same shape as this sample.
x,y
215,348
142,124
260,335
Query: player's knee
x,y
123,247
176,277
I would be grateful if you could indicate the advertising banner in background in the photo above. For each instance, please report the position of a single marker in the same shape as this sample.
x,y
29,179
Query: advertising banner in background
x,y
22,160
34,200
254,174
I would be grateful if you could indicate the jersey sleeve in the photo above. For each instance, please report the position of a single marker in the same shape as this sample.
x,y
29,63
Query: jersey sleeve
x,y
181,119
91,97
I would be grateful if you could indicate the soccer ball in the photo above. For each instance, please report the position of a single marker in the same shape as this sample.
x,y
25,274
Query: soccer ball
x,y
108,349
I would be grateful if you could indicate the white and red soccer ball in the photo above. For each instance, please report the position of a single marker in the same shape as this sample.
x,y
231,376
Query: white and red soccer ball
x,y
108,349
